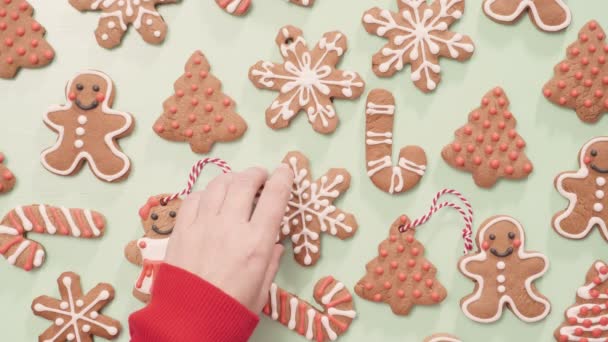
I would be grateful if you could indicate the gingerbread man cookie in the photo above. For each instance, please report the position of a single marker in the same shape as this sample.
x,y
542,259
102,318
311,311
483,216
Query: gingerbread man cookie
x,y
88,130
504,274
158,219
442,338
547,15
307,81
241,7
7,178
585,190
118,14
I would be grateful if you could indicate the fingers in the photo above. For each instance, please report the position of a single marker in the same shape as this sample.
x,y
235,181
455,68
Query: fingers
x,y
271,272
271,207
241,193
212,198
188,212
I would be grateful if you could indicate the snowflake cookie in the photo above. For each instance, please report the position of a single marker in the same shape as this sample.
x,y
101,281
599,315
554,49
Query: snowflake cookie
x,y
241,7
308,80
418,35
311,212
76,315
118,14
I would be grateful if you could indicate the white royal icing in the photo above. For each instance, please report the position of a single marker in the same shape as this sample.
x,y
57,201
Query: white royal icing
x,y
531,5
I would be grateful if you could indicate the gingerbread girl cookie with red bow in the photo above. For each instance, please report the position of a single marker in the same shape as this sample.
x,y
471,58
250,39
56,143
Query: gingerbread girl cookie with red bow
x,y
585,190
88,130
547,15
158,219
504,274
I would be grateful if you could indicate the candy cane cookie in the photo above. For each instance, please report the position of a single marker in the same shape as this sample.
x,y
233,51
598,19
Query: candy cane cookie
x,y
379,121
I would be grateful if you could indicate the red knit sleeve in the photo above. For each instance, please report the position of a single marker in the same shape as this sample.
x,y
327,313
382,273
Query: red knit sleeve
x,y
187,308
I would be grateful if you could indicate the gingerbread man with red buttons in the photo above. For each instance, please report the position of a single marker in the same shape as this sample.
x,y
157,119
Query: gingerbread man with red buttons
x,y
585,190
88,130
504,274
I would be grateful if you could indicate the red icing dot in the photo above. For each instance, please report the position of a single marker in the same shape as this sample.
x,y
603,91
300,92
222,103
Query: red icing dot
x,y
495,137
489,149
379,270
194,87
512,134
507,115
49,54
1,158
592,48
209,108
206,128
194,101
394,265
572,320
188,133
486,124
596,310
587,323
426,267
479,138
3,26
597,332
603,270
417,277
435,297
227,102
36,27
7,175
574,93
383,253
598,93
100,97
197,60
15,16
369,286
475,116
564,67
456,147
142,244
392,238
502,125
477,160
602,59
502,102
587,103
34,43
400,248
509,170
561,84
2,12
497,92
188,74
595,71
584,37
209,91
495,164
604,321
173,110
562,100
493,111
159,128
583,311
575,51
377,297
219,118
470,148
400,293
387,285
21,51
468,130
415,251
232,129
592,25
8,42
485,101
23,6
547,92
503,147
588,83
513,155
175,124
402,276
520,144
179,93
578,75
528,167
72,96
459,161
409,238
585,60
597,280
33,59
20,31
203,74
429,283
411,262
417,294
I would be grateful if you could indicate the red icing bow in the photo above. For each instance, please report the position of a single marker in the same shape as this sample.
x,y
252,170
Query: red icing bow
x,y
144,212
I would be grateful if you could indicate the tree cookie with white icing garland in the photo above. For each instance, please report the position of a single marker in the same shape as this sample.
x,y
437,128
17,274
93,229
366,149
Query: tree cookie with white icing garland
x,y
76,316
442,338
307,80
117,15
241,7
418,34
587,319
504,274
547,15
585,190
88,130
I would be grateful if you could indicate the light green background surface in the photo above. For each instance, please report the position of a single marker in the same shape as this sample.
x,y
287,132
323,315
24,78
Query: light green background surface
x,y
519,58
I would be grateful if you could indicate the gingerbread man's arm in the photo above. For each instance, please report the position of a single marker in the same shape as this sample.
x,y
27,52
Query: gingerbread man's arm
x,y
85,5
471,264
534,265
58,117
569,182
133,254
118,122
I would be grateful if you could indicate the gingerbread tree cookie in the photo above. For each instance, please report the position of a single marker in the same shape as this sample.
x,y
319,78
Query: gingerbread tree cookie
x,y
76,316
579,81
311,211
307,81
43,219
22,42
7,178
88,130
418,35
547,15
118,14
308,321
199,112
504,274
400,275
488,146
241,7
587,319
585,190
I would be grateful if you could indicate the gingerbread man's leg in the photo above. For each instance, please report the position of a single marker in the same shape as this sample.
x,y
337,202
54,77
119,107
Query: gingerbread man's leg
x,y
110,30
61,159
486,307
150,25
573,224
108,163
530,306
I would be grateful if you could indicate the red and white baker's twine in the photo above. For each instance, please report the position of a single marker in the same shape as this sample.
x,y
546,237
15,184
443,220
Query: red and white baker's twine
x,y
467,215
195,172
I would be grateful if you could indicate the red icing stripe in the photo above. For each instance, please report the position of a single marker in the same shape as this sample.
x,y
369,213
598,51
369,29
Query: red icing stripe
x,y
342,326
15,222
98,220
29,264
38,228
319,328
266,309
10,243
81,223
302,322
58,221
283,307
324,285
347,298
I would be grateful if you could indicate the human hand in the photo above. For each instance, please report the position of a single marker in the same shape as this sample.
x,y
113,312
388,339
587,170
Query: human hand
x,y
221,238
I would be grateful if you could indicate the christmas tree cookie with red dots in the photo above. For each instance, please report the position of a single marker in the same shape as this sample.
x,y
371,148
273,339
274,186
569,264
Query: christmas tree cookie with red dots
x,y
7,178
199,112
580,80
400,275
22,43
488,146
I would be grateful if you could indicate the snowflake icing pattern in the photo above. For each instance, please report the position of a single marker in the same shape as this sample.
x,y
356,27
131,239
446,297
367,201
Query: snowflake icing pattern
x,y
307,80
311,212
418,35
76,316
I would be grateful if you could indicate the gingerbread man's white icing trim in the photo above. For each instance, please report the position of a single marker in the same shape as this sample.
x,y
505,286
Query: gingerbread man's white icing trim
x,y
505,299
108,138
525,4
572,197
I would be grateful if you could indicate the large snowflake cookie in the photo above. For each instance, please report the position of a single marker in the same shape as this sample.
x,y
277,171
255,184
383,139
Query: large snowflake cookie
x,y
311,212
76,316
118,14
585,190
308,80
547,15
241,7
504,274
88,130
418,35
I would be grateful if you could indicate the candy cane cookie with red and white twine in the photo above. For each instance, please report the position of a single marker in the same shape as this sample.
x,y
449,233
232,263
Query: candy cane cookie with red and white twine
x,y
379,122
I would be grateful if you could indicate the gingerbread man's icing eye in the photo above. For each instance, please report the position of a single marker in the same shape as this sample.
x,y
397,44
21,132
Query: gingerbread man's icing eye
x,y
154,216
288,41
593,153
172,213
79,87
492,237
95,88
511,235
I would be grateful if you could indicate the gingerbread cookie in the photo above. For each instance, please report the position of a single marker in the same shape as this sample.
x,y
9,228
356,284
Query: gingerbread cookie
x,y
43,219
307,81
118,14
308,321
76,316
23,44
579,81
88,129
442,338
504,274
199,112
418,35
585,190
586,320
241,7
411,166
7,178
311,211
400,275
547,15
488,146
158,219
